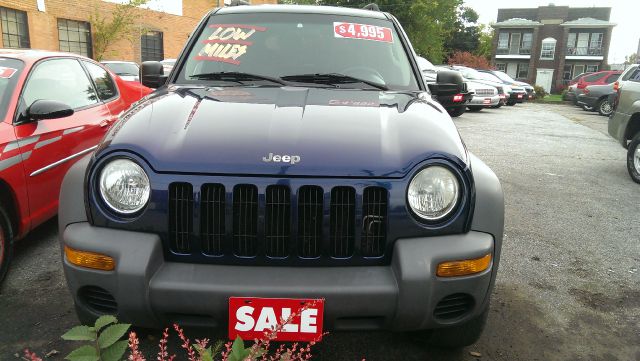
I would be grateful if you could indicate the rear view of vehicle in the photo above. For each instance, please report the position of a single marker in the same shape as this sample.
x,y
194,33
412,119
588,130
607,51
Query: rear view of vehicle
x,y
456,103
598,98
624,124
598,78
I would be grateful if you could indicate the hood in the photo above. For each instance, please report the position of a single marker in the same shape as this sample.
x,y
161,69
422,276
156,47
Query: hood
x,y
289,131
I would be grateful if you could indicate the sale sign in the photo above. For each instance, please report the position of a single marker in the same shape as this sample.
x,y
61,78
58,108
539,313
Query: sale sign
x,y
7,73
293,319
362,31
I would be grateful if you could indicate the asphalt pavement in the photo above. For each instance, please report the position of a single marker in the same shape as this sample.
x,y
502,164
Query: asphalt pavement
x,y
568,287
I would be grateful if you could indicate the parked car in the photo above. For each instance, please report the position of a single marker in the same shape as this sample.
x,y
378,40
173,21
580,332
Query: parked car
x,y
455,104
476,81
624,124
310,166
504,91
518,92
597,78
167,65
55,108
127,70
597,98
617,86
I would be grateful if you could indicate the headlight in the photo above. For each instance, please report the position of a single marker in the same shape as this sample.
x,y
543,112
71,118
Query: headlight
x,y
124,186
433,193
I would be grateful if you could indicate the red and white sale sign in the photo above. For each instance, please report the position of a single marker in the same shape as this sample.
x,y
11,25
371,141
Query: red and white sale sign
x,y
7,72
250,317
362,31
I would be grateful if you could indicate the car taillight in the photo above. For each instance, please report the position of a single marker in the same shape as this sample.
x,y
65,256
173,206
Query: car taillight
x,y
616,86
581,85
457,98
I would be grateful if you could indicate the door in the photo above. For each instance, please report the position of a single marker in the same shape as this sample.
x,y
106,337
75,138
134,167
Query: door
x,y
51,146
512,70
544,78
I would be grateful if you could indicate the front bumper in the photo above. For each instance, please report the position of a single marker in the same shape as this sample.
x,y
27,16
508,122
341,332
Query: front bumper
x,y
486,101
152,292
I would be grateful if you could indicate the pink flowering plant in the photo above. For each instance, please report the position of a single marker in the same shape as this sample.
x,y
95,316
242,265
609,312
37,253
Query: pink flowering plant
x,y
103,342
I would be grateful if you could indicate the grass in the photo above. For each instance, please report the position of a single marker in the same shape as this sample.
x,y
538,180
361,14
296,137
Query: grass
x,y
552,98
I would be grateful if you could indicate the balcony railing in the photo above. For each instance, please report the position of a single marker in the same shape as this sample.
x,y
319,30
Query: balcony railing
x,y
586,51
510,51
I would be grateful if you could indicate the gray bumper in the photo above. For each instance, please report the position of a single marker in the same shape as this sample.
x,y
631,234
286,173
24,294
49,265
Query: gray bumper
x,y
402,296
478,100
617,127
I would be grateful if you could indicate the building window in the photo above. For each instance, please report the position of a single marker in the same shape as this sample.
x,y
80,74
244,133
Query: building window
x,y
523,70
503,41
527,41
548,49
595,44
501,67
15,28
75,37
592,68
566,73
151,46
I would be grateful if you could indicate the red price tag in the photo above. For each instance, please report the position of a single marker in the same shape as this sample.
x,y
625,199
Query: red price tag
x,y
7,73
362,31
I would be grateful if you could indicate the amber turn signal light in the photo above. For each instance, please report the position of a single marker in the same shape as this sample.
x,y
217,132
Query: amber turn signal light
x,y
464,268
89,259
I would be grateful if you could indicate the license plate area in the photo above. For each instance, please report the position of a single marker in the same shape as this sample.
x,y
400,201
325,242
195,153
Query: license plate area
x,y
250,317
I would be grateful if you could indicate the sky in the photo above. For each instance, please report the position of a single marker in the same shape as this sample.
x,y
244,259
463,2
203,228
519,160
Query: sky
x,y
624,13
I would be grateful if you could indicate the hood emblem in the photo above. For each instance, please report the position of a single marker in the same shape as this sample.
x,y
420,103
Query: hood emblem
x,y
284,158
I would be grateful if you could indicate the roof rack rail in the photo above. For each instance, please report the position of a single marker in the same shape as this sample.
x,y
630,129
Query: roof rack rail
x,y
239,3
372,7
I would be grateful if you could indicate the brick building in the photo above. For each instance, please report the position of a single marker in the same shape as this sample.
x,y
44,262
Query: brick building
x,y
161,30
549,45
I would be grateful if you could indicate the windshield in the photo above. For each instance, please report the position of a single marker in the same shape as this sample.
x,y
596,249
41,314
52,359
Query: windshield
x,y
489,77
9,72
471,73
278,45
123,68
503,76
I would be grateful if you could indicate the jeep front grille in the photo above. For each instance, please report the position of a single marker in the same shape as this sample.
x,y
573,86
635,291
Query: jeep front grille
x,y
277,222
181,216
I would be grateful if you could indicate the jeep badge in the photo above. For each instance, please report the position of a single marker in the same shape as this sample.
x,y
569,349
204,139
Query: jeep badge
x,y
276,158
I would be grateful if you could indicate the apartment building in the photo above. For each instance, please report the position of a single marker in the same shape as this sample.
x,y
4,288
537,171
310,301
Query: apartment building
x,y
160,32
550,45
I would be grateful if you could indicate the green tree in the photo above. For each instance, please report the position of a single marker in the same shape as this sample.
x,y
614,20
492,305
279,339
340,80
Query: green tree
x,y
465,34
428,23
485,41
109,29
631,58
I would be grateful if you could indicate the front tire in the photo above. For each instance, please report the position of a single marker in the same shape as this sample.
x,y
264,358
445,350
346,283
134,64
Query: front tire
x,y
6,243
633,158
461,335
605,108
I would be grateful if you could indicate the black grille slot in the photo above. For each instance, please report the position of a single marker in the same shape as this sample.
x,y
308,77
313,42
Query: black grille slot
x,y
374,221
98,299
245,220
453,306
180,216
212,218
278,221
310,221
342,226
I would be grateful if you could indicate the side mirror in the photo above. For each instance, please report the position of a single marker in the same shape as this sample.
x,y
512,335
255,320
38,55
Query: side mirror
x,y
152,74
47,109
443,89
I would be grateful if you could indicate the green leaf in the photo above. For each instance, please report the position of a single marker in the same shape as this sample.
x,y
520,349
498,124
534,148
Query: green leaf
x,y
115,351
206,354
238,352
80,333
112,334
104,321
84,353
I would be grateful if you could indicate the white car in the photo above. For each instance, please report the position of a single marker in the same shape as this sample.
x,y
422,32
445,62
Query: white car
x,y
127,70
485,96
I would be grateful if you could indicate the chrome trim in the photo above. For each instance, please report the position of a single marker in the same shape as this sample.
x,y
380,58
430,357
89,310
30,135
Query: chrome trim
x,y
53,165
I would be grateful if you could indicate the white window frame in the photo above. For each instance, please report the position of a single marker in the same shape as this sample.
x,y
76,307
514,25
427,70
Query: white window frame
x,y
501,67
548,49
519,70
594,68
503,40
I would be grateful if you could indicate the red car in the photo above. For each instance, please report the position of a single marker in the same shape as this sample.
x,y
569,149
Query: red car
x,y
598,78
54,108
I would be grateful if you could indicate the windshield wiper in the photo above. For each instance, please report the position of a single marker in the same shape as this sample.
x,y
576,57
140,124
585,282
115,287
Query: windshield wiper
x,y
332,79
236,76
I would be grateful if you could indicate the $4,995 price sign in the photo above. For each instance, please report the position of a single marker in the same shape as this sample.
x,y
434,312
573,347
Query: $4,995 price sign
x,y
362,31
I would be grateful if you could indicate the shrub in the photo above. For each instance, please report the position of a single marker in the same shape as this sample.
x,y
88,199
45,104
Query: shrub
x,y
468,59
540,92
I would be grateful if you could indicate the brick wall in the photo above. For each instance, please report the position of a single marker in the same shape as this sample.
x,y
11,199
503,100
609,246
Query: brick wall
x,y
43,26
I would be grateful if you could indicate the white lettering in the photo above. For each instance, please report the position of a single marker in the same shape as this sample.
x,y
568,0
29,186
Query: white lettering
x,y
245,321
286,158
308,320
267,320
289,327
295,159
